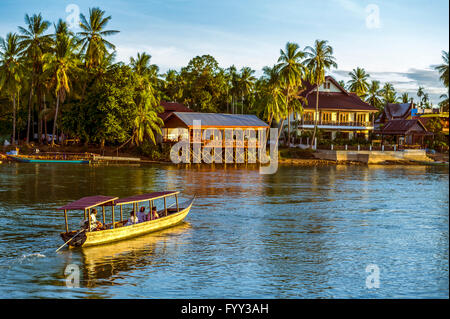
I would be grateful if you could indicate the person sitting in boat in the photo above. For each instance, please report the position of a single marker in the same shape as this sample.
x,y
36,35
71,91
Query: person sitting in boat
x,y
141,215
152,214
95,224
132,220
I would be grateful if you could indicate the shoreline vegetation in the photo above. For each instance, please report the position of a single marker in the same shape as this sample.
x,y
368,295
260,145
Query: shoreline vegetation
x,y
58,87
286,156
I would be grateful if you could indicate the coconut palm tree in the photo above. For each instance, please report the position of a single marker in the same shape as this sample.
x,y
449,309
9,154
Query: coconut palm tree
x,y
444,104
292,72
373,95
94,46
443,69
388,93
319,59
246,82
358,82
35,44
60,65
11,72
273,99
405,97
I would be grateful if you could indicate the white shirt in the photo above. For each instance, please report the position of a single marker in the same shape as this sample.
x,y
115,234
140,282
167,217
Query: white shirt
x,y
132,220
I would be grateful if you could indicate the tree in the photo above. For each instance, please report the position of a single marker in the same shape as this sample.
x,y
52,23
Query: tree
x,y
443,69
319,59
11,72
246,82
388,93
405,97
373,95
94,45
358,82
35,44
60,64
444,104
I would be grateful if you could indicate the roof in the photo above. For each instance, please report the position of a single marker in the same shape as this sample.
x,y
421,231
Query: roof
x,y
88,202
338,101
403,127
219,119
395,111
145,197
343,100
170,107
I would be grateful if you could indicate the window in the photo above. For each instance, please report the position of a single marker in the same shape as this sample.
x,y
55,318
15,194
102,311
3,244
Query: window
x,y
308,116
343,117
361,118
326,117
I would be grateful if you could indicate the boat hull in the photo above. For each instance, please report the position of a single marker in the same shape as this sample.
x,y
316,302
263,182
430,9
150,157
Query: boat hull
x,y
33,160
126,232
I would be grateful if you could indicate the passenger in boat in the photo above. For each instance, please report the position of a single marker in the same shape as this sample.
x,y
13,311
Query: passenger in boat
x,y
141,215
152,214
132,220
95,224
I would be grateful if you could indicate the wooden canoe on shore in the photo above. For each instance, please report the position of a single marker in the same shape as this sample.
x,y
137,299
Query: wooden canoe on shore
x,y
116,231
24,159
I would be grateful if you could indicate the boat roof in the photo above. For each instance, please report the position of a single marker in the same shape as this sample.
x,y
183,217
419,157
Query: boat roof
x,y
145,197
89,202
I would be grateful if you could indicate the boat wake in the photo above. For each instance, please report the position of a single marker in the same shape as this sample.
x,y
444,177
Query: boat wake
x,y
38,255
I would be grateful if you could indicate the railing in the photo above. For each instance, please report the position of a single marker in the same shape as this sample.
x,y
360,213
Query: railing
x,y
220,143
336,123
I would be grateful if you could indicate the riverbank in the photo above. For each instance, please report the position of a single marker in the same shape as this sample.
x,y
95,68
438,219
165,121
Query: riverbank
x,y
287,156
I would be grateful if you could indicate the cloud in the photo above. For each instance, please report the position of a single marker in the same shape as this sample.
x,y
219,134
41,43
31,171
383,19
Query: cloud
x,y
408,81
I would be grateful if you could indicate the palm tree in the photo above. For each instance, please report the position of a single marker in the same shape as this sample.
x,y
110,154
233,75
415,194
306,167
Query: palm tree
x,y
443,69
444,104
93,37
319,59
358,82
246,82
60,65
147,120
373,95
291,72
273,99
11,72
388,93
405,97
35,44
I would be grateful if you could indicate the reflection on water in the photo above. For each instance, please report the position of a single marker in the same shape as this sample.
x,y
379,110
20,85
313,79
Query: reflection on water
x,y
103,264
300,233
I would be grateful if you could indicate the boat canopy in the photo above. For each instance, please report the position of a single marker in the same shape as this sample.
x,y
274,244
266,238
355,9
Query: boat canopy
x,y
145,197
89,202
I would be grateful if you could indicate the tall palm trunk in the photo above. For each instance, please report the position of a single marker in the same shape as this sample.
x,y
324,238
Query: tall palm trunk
x,y
45,120
29,112
317,113
14,120
56,118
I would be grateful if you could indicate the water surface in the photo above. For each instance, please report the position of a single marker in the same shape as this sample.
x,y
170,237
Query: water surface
x,y
300,233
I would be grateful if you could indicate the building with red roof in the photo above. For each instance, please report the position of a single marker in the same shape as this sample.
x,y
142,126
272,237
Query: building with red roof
x,y
339,111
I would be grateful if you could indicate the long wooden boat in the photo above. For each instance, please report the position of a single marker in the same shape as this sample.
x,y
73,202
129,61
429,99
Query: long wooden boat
x,y
118,230
25,159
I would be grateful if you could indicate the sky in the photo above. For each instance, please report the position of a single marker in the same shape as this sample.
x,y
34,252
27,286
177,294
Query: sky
x,y
397,41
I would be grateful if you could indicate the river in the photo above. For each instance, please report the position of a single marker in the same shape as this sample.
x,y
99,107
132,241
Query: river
x,y
304,232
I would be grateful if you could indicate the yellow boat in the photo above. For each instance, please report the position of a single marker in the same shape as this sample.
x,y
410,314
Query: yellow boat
x,y
120,230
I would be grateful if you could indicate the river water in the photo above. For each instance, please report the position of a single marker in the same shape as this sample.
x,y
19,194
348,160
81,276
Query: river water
x,y
304,232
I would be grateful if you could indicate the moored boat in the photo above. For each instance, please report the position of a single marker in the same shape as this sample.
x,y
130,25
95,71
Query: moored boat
x,y
120,230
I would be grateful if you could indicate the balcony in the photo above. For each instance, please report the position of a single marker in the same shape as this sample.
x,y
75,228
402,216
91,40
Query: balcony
x,y
338,124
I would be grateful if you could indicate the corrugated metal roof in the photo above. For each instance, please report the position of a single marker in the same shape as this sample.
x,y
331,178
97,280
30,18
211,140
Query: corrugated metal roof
x,y
220,119
144,197
88,202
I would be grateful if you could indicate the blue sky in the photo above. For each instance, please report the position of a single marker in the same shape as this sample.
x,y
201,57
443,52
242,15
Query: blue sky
x,y
399,46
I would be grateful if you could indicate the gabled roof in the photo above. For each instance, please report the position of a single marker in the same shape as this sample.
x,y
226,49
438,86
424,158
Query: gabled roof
x,y
170,107
403,127
89,202
342,100
395,111
219,119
